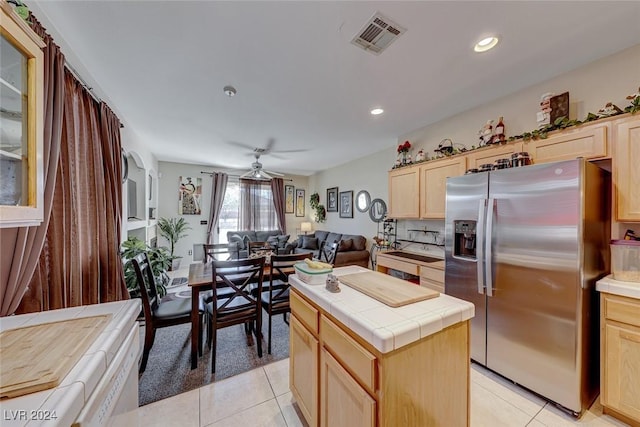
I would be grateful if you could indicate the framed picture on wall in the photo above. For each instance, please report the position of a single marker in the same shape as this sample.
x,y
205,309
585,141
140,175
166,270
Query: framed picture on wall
x,y
332,199
299,202
289,205
346,204
189,194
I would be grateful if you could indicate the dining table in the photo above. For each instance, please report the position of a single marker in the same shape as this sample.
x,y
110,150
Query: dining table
x,y
201,279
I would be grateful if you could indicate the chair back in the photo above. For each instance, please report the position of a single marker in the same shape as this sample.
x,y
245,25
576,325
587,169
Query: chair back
x,y
241,277
220,252
146,284
280,269
329,251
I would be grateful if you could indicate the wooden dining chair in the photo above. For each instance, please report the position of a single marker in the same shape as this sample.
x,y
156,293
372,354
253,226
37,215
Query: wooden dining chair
x,y
157,313
239,307
329,252
220,251
275,296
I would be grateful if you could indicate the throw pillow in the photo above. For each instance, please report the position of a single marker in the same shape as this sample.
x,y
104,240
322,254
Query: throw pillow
x,y
273,241
237,239
345,245
282,240
309,242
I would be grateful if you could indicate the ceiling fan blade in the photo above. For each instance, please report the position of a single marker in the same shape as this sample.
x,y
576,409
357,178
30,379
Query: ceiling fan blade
x,y
264,175
300,150
275,173
269,146
240,144
248,174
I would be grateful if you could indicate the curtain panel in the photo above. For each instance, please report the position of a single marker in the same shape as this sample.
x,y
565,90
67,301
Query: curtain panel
x,y
218,190
277,189
256,206
80,261
22,246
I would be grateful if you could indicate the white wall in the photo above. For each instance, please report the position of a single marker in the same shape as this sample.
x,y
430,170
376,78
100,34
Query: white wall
x,y
590,88
168,183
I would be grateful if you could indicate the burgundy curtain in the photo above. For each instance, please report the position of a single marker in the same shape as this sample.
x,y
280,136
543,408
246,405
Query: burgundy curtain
x,y
218,189
80,262
21,247
277,188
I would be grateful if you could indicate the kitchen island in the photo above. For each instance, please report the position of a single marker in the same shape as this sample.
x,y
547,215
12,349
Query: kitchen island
x,y
355,361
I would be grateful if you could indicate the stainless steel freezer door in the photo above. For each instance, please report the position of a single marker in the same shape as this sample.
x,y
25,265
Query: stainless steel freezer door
x,y
464,195
533,315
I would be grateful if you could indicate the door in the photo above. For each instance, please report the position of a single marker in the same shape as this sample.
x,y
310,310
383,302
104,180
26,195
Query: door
x,y
466,196
533,278
303,370
344,403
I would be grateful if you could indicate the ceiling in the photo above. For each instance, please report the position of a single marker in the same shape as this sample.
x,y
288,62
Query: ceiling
x,y
162,67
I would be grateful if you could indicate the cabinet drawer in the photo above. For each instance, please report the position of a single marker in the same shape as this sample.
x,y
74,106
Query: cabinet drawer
x,y
407,267
304,311
356,359
432,274
436,286
620,309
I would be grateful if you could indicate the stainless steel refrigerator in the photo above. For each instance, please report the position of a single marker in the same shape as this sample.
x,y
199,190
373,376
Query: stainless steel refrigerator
x,y
526,246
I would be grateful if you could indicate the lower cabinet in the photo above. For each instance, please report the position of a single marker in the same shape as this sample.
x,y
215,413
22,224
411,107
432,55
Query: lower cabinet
x,y
432,277
339,380
620,322
343,402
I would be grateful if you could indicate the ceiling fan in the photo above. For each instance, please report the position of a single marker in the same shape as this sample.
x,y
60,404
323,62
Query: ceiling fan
x,y
256,171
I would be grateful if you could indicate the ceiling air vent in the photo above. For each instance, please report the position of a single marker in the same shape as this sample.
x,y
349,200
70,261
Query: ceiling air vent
x,y
377,34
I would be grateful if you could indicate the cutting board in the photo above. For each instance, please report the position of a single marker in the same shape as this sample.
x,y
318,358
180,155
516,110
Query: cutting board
x,y
389,290
38,357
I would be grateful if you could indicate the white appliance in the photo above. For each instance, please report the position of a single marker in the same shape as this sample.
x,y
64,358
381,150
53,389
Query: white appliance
x,y
102,384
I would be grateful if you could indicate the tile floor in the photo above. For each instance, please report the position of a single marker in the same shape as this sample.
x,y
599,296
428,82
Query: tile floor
x,y
262,398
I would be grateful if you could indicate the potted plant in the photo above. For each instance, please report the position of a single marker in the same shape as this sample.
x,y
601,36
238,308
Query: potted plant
x,y
158,257
173,229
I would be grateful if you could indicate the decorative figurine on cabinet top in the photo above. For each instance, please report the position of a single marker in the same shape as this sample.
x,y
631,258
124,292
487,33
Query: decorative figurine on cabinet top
x,y
420,156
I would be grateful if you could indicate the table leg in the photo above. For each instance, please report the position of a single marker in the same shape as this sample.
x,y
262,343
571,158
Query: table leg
x,y
195,325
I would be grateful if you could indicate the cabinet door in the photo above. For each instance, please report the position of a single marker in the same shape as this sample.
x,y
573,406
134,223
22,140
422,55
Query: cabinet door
x,y
21,101
343,402
433,185
626,170
589,142
490,154
303,370
404,188
621,388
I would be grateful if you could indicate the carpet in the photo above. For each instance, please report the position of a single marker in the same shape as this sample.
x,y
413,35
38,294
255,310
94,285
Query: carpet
x,y
169,373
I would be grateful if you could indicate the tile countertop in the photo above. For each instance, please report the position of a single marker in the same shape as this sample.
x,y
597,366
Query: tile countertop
x,y
70,396
611,286
385,328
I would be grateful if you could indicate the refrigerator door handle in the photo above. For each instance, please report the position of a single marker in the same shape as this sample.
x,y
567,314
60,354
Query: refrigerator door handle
x,y
482,209
488,261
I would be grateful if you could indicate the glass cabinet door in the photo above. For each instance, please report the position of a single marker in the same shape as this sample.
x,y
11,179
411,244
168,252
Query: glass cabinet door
x,y
21,81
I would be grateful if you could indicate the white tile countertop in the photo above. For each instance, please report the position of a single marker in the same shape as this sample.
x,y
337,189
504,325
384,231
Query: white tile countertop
x,y
611,286
385,328
66,400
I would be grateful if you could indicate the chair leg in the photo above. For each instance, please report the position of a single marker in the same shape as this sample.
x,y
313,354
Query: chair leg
x,y
269,342
200,333
149,337
213,346
258,333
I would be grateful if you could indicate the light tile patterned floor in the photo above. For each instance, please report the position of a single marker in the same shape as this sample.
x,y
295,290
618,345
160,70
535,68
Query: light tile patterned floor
x,y
262,398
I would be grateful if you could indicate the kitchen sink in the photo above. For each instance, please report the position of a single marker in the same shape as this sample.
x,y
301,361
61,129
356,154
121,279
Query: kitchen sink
x,y
409,255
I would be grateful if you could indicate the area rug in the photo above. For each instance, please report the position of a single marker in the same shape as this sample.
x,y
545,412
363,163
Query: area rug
x,y
169,373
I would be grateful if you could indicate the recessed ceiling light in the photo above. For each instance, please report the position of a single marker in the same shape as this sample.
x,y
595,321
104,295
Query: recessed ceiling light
x,y
229,91
377,111
486,44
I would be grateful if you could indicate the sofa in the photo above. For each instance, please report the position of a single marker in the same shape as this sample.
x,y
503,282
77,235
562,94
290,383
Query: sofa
x,y
352,249
275,238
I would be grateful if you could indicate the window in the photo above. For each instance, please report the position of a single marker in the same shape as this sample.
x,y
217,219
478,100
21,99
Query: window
x,y
248,205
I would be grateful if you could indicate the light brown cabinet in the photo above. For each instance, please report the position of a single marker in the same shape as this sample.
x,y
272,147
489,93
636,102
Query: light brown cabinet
x,y
626,168
357,385
588,141
432,276
404,188
21,100
492,153
620,346
433,185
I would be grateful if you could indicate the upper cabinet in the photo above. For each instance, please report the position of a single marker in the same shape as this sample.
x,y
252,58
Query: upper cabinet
x,y
433,185
492,153
588,141
625,168
21,114
404,187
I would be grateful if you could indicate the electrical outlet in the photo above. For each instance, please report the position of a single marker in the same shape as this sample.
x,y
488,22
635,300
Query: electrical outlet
x,y
190,252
